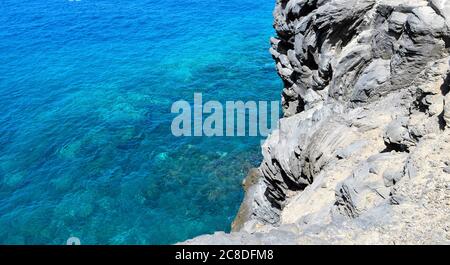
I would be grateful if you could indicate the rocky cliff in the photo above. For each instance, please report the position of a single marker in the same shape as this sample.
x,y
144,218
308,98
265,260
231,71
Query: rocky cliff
x,y
363,152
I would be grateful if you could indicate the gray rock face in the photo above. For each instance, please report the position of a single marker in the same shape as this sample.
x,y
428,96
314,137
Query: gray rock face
x,y
362,153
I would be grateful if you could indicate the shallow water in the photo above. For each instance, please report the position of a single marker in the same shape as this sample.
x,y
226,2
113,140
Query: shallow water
x,y
85,94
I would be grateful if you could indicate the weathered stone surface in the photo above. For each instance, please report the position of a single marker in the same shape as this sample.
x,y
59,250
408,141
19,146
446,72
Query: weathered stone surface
x,y
362,153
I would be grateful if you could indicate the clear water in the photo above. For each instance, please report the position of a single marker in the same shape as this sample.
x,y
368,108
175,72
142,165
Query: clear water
x,y
85,94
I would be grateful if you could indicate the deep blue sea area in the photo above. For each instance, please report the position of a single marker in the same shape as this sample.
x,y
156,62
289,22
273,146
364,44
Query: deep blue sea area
x,y
86,89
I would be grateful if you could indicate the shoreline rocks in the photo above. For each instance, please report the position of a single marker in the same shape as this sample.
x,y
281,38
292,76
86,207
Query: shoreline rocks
x,y
361,156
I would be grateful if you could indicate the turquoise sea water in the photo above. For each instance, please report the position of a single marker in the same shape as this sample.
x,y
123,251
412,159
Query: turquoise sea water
x,y
85,94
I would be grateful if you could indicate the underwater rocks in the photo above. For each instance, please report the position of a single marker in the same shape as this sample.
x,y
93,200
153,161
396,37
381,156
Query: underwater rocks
x,y
362,154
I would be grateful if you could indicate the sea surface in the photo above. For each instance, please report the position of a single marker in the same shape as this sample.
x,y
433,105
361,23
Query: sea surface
x,y
86,89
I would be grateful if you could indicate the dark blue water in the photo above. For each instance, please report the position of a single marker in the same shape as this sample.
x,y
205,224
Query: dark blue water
x,y
85,94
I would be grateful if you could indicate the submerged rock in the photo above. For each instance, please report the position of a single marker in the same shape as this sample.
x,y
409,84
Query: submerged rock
x,y
361,155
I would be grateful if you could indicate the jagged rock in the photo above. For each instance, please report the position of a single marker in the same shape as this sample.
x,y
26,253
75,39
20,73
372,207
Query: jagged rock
x,y
447,110
442,7
362,153
397,135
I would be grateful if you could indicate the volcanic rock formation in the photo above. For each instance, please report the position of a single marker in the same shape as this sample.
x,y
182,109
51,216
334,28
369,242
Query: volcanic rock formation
x,y
362,154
